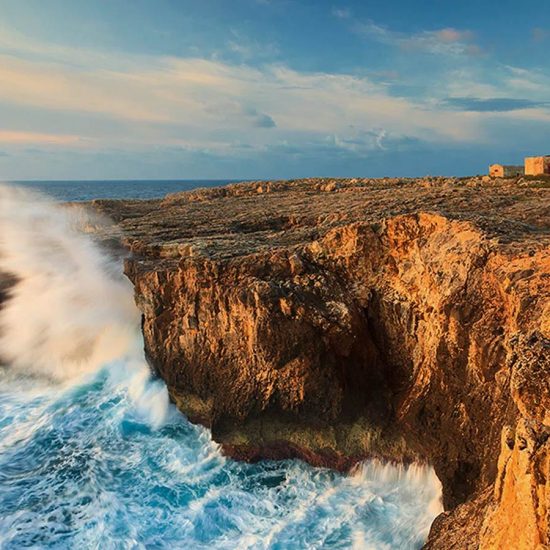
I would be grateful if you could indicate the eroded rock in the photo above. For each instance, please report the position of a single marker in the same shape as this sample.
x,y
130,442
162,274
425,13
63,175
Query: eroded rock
x,y
399,319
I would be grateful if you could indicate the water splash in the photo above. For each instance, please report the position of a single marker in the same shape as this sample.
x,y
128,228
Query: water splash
x,y
81,469
93,456
71,312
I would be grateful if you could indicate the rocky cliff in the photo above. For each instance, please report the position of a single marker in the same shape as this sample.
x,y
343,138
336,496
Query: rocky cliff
x,y
335,320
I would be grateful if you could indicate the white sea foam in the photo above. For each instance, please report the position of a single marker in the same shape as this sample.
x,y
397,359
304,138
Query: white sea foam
x,y
411,484
70,312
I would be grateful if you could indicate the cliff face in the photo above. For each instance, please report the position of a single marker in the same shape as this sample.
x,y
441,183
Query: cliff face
x,y
338,321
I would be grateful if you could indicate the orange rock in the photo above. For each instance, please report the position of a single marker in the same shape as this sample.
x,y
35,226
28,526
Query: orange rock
x,y
401,319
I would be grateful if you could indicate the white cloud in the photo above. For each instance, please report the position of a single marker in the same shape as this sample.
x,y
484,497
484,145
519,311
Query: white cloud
x,y
210,105
35,138
341,13
211,99
249,49
445,41
532,80
503,81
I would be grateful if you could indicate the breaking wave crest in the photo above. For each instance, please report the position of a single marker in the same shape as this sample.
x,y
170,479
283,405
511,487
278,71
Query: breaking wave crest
x,y
70,311
92,455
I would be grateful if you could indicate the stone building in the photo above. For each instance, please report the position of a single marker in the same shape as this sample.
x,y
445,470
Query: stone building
x,y
537,166
505,171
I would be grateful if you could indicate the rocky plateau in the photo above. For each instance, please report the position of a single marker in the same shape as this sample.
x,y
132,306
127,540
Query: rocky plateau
x,y
338,320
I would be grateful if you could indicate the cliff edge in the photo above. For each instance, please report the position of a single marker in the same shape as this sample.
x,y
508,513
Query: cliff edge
x,y
336,320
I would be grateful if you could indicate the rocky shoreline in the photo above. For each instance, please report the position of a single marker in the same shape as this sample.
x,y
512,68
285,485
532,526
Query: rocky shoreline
x,y
338,320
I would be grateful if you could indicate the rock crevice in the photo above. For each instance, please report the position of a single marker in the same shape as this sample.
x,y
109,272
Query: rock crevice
x,y
402,320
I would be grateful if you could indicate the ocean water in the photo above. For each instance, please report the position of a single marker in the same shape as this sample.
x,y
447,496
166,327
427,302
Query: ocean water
x,y
85,190
93,455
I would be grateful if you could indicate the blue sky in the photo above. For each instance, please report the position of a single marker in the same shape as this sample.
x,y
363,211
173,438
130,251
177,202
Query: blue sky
x,y
270,88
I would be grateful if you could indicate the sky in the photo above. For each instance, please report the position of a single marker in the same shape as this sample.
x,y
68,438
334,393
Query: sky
x,y
264,89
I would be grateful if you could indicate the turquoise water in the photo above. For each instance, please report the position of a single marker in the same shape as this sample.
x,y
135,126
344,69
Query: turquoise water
x,y
81,468
92,454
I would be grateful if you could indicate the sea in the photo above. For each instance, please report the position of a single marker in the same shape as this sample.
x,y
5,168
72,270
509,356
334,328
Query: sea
x,y
86,190
92,453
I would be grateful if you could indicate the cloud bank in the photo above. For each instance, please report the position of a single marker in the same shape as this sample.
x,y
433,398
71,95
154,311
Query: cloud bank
x,y
80,101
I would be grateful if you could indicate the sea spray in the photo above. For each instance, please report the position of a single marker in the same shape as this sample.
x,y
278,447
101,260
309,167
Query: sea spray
x,y
92,455
70,311
411,483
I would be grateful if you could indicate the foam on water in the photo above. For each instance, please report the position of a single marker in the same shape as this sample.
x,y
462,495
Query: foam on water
x,y
92,455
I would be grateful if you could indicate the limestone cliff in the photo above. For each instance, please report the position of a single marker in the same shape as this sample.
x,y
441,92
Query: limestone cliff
x,y
335,320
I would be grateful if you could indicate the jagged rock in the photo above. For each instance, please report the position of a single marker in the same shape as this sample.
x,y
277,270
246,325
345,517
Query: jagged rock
x,y
397,318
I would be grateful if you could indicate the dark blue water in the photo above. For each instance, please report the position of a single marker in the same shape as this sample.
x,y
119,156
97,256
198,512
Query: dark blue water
x,y
93,455
116,189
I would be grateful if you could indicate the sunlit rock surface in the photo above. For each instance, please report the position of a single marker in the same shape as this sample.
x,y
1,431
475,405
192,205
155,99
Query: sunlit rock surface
x,y
336,320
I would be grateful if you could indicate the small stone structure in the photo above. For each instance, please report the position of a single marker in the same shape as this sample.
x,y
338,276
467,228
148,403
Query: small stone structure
x,y
537,166
505,171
